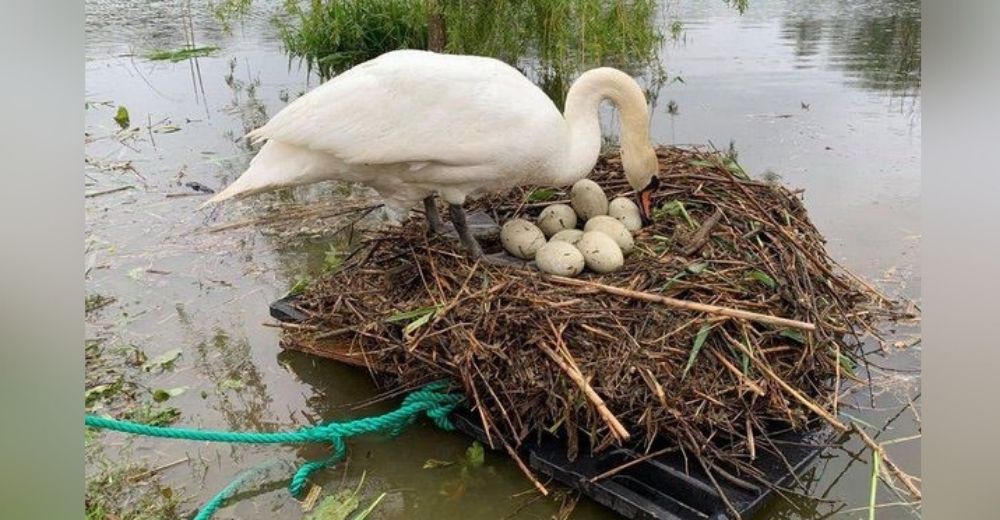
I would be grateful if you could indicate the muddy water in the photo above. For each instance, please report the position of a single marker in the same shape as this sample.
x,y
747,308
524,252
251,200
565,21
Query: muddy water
x,y
825,95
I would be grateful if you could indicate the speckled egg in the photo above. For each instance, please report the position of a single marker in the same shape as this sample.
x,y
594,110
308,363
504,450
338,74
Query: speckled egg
x,y
521,238
568,235
588,199
600,253
556,218
561,258
613,228
627,212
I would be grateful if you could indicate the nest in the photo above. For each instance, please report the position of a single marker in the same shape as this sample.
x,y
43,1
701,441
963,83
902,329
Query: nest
x,y
643,355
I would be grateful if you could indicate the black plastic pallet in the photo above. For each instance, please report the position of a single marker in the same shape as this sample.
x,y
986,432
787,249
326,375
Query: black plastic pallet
x,y
658,488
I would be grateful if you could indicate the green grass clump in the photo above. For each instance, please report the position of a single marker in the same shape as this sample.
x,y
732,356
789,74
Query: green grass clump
x,y
181,54
559,38
334,35
559,33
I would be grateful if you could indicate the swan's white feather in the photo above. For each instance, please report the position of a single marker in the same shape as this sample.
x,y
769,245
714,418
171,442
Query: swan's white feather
x,y
406,106
414,123
409,124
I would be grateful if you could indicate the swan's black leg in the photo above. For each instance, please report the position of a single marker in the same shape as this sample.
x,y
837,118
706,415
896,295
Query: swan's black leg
x,y
469,241
434,224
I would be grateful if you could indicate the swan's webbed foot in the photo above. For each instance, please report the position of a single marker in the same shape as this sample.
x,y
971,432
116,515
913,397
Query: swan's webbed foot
x,y
464,234
434,224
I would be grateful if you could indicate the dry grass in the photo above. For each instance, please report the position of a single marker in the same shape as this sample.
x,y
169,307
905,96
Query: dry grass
x,y
536,353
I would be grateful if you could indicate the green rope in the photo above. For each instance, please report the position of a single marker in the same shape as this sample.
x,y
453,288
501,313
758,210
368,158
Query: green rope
x,y
431,400
209,509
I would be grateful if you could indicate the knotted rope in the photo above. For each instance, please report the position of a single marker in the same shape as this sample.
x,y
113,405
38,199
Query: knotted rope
x,y
431,400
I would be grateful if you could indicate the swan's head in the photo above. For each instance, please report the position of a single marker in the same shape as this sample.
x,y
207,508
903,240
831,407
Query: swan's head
x,y
641,166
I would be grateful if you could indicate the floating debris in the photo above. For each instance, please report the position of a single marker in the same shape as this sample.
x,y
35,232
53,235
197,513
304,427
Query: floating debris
x,y
199,187
181,54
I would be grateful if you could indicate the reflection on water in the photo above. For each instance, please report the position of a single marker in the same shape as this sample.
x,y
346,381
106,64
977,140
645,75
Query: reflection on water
x,y
245,105
878,50
824,94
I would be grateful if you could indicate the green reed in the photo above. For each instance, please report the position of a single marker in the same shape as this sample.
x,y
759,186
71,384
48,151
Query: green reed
x,y
555,38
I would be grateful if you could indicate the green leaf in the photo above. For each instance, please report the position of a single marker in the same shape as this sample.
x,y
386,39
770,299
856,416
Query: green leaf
x,y
417,317
364,514
181,54
121,117
160,395
409,315
674,208
94,393
232,384
859,421
763,278
336,506
341,504
846,363
697,268
735,169
419,322
746,359
436,463
699,341
542,195
301,284
153,416
673,279
475,455
794,335
164,361
333,259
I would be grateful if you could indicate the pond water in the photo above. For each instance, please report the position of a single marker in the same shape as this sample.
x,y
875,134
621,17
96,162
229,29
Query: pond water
x,y
824,94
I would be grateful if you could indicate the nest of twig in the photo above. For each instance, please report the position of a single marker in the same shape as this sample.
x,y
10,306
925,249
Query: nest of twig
x,y
621,357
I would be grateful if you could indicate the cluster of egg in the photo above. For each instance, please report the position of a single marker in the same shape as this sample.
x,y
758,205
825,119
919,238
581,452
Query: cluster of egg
x,y
601,245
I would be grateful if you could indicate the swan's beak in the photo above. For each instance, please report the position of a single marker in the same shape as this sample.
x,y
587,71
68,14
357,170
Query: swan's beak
x,y
645,203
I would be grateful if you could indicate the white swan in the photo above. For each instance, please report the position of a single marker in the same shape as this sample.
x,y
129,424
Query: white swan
x,y
412,124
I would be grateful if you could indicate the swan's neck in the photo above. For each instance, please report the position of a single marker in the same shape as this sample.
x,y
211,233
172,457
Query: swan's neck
x,y
582,106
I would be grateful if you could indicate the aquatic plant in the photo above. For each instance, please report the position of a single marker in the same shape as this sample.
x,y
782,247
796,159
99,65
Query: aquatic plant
x,y
331,36
226,11
554,38
181,54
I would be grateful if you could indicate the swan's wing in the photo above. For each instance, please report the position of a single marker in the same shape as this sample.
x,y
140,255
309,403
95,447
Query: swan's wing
x,y
413,106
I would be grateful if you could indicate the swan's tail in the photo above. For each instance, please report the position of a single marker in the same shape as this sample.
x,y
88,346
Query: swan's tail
x,y
277,165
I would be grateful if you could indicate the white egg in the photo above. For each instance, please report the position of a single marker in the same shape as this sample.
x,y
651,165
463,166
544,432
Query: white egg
x,y
613,228
567,235
561,258
588,199
627,212
600,252
521,238
556,218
